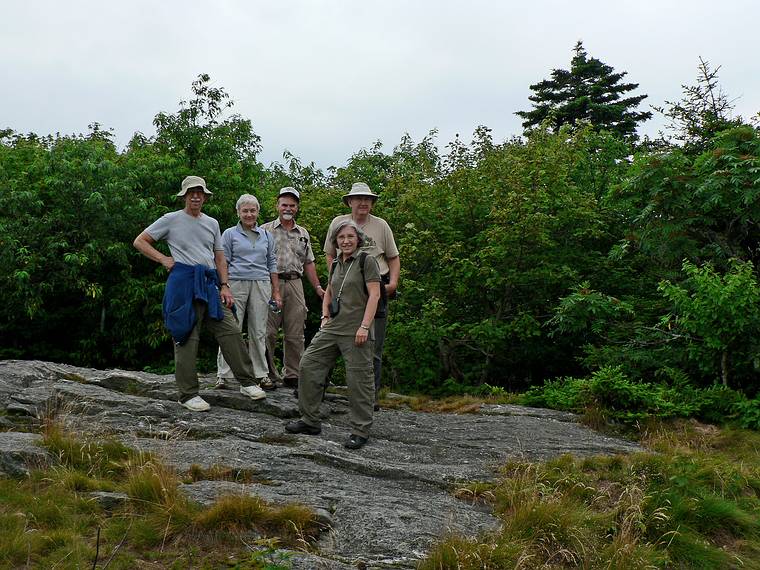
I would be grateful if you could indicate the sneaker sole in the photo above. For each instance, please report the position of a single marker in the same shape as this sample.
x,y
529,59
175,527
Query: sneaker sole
x,y
194,409
255,396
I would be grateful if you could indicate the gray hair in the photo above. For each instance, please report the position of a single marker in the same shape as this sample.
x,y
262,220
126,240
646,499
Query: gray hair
x,y
247,199
351,224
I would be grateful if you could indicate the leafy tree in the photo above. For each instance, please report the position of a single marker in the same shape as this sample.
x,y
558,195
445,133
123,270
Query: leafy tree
x,y
76,290
66,214
704,208
488,246
198,133
589,91
721,313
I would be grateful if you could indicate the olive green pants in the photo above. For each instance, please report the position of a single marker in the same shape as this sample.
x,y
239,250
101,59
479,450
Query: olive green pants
x,y
316,363
231,344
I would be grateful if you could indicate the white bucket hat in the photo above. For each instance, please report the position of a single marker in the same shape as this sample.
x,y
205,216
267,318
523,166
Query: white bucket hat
x,y
193,182
359,189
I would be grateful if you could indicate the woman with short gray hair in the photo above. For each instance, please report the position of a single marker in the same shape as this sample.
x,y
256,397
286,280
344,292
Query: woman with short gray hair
x,y
252,263
360,235
347,329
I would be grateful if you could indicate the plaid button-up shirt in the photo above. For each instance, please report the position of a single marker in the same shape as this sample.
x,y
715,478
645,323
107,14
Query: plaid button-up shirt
x,y
293,247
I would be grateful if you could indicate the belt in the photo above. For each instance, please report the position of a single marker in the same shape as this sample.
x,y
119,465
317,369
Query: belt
x,y
290,276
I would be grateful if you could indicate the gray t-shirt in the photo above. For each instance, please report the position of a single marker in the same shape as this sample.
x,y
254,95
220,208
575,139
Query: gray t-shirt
x,y
191,240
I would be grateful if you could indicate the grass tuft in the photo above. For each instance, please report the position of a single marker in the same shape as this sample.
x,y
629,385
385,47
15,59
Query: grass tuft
x,y
106,458
462,404
49,520
693,503
223,473
293,523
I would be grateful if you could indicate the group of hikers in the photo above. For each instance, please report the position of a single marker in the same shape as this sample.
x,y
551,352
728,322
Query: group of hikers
x,y
253,273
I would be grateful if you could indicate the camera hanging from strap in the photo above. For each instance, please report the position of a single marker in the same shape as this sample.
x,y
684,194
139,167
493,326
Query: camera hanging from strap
x,y
382,302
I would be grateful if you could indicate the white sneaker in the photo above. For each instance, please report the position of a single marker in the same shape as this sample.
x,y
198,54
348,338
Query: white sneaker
x,y
253,392
196,404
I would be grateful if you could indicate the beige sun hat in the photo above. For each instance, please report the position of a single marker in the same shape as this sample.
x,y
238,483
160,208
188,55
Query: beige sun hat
x,y
193,182
359,189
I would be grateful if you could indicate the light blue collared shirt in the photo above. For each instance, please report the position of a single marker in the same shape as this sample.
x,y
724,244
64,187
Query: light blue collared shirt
x,y
249,261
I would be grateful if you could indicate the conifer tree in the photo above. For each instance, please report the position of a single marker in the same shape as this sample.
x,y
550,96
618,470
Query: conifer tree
x,y
702,112
590,91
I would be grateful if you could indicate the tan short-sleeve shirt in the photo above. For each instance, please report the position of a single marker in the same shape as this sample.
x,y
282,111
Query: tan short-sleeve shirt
x,y
379,242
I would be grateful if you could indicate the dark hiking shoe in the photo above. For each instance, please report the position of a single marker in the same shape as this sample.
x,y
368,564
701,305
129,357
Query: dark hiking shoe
x,y
355,442
300,426
267,384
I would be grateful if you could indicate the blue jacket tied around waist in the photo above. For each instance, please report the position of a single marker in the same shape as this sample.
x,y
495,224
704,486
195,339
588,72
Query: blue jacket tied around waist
x,y
188,283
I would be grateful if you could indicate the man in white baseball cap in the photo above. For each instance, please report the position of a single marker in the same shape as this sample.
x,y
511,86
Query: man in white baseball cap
x,y
295,259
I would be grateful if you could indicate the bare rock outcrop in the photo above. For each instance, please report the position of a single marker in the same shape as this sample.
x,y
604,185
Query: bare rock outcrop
x,y
385,505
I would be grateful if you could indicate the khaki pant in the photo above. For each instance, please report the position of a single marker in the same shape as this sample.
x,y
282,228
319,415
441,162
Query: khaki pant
x,y
316,363
231,345
251,301
292,320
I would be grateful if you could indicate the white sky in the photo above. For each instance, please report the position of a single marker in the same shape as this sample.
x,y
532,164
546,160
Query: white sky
x,y
324,78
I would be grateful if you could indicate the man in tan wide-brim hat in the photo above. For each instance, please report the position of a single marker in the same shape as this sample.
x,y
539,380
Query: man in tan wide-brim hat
x,y
380,244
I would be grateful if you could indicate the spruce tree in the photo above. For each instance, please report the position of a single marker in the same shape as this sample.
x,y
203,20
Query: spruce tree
x,y
590,91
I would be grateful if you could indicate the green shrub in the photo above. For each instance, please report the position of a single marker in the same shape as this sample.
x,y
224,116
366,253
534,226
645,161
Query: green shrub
x,y
616,397
569,394
748,412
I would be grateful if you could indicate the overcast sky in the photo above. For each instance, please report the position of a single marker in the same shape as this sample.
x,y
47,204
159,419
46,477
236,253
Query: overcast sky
x,y
324,78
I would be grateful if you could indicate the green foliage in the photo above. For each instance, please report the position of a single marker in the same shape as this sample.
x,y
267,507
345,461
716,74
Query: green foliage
x,y
619,399
589,91
748,412
497,241
704,207
76,290
703,111
677,206
586,309
521,261
721,313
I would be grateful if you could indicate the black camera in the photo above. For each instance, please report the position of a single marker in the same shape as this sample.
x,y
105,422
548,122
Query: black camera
x,y
334,307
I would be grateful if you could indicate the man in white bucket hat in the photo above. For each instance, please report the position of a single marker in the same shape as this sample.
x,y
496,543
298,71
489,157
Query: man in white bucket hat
x,y
197,292
380,244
